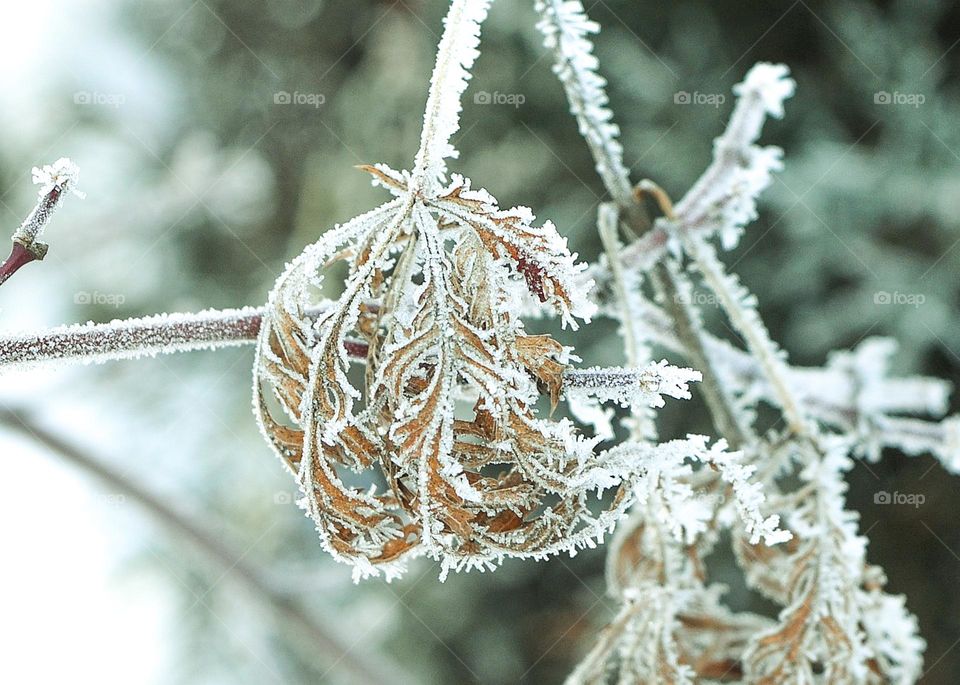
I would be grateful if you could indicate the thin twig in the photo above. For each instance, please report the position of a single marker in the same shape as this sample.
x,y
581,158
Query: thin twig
x,y
134,338
55,180
213,329
315,637
207,330
689,330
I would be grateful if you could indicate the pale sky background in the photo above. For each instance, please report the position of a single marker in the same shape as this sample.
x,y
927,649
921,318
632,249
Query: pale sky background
x,y
67,614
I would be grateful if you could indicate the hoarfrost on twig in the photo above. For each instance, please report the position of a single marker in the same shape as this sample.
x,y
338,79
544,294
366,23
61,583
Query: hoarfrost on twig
x,y
54,180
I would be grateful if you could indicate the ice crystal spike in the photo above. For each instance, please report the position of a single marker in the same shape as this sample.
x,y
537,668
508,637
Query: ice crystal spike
x,y
566,30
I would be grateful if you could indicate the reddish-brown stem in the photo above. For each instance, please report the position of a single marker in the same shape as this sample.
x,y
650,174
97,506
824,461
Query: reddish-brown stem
x,y
19,257
26,246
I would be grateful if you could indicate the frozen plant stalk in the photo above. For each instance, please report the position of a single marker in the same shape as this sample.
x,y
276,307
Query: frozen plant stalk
x,y
54,180
672,626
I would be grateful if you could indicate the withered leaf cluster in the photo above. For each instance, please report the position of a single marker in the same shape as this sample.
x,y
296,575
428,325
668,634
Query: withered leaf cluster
x,y
439,447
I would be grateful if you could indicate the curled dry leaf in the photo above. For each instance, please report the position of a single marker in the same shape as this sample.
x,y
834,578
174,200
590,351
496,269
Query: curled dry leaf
x,y
440,449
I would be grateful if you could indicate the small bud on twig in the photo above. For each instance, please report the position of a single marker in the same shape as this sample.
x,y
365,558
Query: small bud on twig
x,y
54,180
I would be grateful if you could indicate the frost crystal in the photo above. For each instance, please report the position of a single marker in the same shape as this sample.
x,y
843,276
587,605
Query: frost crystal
x,y
565,29
630,388
62,174
455,56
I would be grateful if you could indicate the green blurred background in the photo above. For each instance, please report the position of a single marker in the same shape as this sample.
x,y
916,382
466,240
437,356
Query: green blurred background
x,y
202,181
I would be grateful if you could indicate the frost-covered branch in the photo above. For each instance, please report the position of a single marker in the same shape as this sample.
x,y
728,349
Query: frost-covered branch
x,y
636,340
309,633
837,394
675,292
828,598
55,180
724,198
566,30
741,308
213,329
823,598
455,56
133,338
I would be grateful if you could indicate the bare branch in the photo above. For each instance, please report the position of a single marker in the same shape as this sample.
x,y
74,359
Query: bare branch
x,y
134,338
213,329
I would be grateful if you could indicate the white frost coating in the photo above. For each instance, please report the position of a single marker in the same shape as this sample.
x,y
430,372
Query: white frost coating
x,y
455,56
831,394
95,343
54,180
824,576
63,174
588,411
872,392
724,198
916,437
741,308
894,635
827,623
632,387
543,251
770,83
665,474
566,28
